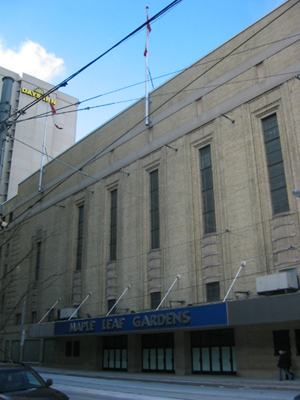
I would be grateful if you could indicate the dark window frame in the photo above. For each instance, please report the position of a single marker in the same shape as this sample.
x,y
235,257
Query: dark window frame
x,y
113,224
212,292
72,348
278,188
207,191
18,319
79,252
281,341
155,299
110,304
33,317
154,210
297,341
38,260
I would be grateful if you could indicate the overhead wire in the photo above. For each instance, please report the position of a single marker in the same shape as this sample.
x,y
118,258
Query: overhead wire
x,y
193,80
65,81
195,65
23,110
216,86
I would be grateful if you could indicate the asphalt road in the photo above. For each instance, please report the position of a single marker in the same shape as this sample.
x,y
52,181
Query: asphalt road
x,y
85,388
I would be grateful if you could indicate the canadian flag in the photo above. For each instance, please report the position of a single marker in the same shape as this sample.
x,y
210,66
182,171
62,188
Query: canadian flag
x,y
147,34
53,113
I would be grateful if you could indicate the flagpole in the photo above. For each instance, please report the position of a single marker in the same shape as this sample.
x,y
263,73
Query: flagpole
x,y
43,153
147,121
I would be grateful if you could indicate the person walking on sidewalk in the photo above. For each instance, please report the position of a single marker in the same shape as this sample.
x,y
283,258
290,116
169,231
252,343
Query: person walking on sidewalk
x,y
284,363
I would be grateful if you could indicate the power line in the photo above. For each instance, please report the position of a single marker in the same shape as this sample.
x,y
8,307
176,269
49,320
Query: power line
x,y
195,65
65,81
216,86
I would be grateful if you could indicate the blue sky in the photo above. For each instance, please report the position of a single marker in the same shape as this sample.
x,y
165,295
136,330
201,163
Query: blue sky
x,y
54,39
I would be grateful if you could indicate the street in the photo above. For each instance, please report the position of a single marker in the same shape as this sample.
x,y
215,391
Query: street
x,y
83,388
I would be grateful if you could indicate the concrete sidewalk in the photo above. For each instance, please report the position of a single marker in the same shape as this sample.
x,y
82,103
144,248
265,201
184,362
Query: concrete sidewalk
x,y
233,382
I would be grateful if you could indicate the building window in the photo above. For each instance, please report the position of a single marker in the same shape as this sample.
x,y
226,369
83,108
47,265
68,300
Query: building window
x,y
80,237
33,317
275,165
73,348
113,225
7,250
297,339
2,304
154,210
281,341
207,191
212,292
18,319
155,299
50,316
38,260
110,304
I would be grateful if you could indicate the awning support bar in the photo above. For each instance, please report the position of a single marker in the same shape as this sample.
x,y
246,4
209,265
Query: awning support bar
x,y
166,295
49,310
128,287
80,305
243,264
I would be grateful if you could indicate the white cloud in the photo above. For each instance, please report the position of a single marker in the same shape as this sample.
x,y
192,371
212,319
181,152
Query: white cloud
x,y
32,59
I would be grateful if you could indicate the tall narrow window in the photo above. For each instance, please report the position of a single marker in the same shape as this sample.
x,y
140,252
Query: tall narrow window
x,y
113,225
38,260
281,341
275,165
154,210
73,348
212,292
2,304
207,191
33,317
80,237
110,304
155,299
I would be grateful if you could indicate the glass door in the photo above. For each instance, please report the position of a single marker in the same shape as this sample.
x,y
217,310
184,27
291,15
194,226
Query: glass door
x,y
158,352
115,353
213,352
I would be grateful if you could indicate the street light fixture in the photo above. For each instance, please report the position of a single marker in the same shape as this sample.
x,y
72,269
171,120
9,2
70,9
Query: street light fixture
x,y
296,192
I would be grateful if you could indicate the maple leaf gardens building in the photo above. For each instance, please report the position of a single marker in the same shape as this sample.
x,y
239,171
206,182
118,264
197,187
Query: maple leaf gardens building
x,y
172,246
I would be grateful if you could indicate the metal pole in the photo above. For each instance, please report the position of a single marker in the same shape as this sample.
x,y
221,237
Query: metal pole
x,y
80,305
128,287
4,126
243,264
49,310
178,277
147,74
22,339
43,152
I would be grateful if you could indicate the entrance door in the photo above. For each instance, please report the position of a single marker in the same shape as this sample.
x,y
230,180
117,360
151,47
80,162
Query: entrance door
x,y
213,352
158,352
115,353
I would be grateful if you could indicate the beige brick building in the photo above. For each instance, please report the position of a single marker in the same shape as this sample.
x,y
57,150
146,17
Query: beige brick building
x,y
187,226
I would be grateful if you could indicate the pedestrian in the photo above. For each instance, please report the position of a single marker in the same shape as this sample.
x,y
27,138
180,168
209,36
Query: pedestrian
x,y
284,363
289,364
